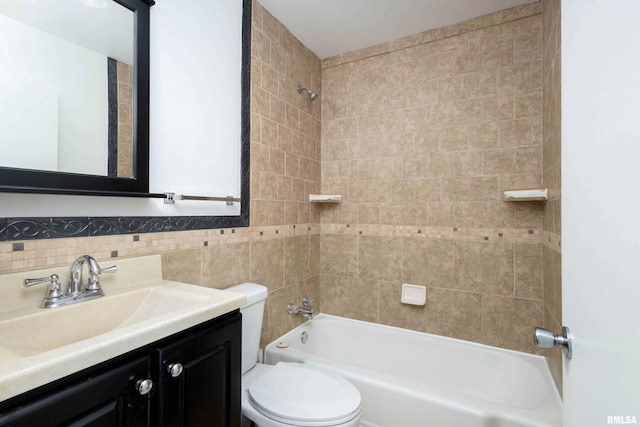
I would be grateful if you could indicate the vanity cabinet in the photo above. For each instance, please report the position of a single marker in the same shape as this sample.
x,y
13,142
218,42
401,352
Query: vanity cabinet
x,y
205,393
105,398
200,379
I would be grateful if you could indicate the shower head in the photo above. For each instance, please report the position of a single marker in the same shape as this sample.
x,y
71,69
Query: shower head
x,y
312,95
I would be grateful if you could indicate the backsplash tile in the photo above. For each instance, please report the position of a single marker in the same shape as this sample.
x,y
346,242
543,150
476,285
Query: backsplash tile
x,y
226,264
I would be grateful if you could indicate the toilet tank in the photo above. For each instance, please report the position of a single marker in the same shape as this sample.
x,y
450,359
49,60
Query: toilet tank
x,y
251,321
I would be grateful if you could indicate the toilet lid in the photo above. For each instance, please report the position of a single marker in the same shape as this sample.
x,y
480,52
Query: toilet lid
x,y
295,393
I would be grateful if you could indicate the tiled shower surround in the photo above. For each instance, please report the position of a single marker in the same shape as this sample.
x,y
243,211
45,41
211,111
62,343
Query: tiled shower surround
x,y
420,136
552,254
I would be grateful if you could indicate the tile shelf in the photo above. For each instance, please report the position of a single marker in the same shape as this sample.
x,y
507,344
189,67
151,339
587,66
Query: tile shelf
x,y
538,194
325,198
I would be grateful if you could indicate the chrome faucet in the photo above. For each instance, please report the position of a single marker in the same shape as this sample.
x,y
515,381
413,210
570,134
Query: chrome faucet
x,y
74,293
304,310
74,287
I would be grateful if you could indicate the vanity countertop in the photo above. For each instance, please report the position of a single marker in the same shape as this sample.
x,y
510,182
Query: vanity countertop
x,y
38,346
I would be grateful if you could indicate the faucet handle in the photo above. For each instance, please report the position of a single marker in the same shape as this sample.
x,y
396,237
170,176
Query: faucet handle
x,y
94,278
292,309
53,288
112,269
30,282
307,301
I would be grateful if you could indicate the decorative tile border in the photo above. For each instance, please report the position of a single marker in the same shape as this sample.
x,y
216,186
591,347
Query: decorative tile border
x,y
54,228
515,235
29,254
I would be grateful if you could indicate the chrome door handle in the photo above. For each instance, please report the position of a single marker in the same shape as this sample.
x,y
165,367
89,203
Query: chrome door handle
x,y
544,338
175,369
144,386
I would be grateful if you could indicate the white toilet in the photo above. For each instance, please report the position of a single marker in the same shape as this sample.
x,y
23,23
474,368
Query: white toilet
x,y
288,394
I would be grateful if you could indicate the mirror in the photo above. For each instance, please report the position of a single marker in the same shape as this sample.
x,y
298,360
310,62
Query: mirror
x,y
74,96
49,215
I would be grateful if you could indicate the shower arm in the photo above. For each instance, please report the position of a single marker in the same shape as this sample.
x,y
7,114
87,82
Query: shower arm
x,y
312,95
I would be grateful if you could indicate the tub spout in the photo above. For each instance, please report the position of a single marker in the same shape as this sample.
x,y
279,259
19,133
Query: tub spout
x,y
305,310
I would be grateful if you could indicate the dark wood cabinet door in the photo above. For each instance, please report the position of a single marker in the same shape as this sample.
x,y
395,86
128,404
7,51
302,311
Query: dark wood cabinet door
x,y
107,399
207,391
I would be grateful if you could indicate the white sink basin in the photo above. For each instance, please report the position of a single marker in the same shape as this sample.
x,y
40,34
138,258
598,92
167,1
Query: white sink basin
x,y
51,328
39,345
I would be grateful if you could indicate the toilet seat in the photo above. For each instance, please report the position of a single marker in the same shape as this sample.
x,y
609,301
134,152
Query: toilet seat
x,y
292,393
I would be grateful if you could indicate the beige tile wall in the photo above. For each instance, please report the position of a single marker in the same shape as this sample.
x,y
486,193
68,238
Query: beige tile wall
x,y
420,135
285,167
425,133
285,125
489,291
552,263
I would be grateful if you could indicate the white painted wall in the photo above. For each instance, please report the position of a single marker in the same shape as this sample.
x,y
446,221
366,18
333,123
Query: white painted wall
x,y
195,101
600,205
77,75
195,117
18,95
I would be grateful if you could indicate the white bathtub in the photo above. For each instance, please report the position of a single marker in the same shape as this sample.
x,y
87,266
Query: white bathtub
x,y
413,379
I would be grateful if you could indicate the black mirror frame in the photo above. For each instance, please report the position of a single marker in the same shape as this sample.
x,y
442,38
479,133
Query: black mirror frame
x,y
12,229
15,180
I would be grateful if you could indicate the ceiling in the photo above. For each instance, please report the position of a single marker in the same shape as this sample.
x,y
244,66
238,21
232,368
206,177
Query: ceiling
x,y
332,27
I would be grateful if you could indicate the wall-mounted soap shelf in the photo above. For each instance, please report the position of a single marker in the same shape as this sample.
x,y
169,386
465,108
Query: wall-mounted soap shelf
x,y
540,194
325,198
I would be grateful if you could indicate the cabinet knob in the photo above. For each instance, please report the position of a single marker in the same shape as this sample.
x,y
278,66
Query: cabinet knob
x,y
175,369
144,386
